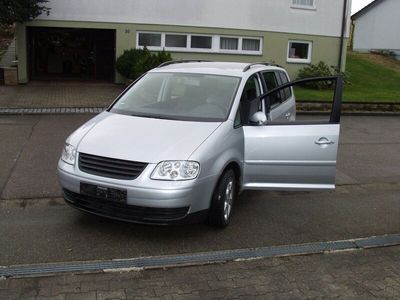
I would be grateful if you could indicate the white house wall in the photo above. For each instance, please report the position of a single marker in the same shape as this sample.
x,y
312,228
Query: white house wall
x,y
263,15
378,28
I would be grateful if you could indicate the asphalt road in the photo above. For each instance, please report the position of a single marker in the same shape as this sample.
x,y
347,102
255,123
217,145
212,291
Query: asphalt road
x,y
42,229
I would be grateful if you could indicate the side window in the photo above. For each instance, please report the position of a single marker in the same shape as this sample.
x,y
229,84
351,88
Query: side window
x,y
251,89
250,92
272,82
238,120
287,92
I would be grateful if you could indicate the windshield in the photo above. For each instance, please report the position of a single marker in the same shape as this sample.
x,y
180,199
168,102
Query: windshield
x,y
179,96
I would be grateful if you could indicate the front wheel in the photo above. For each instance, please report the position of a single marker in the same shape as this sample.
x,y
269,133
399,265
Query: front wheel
x,y
223,199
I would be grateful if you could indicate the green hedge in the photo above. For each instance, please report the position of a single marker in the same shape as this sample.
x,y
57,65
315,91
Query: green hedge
x,y
135,62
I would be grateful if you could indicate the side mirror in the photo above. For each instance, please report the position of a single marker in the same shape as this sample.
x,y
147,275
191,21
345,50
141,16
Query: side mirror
x,y
259,118
249,105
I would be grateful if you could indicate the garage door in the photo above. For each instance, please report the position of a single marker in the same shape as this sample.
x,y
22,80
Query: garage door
x,y
71,53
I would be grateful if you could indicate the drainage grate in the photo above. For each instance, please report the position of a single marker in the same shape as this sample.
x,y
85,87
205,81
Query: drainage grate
x,y
199,258
378,241
51,110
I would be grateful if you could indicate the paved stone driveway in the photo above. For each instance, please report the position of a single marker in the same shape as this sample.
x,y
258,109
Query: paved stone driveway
x,y
368,274
59,94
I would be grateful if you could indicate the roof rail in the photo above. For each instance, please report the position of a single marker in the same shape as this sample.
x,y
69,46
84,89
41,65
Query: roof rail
x,y
248,67
171,62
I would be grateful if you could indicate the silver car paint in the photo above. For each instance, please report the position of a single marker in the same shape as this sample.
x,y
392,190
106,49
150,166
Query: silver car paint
x,y
214,145
273,159
286,111
143,191
144,139
223,147
76,137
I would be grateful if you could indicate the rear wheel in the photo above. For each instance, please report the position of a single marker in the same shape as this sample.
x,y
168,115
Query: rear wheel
x,y
223,199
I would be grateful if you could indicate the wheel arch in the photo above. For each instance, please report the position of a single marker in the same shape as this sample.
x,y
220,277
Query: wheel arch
x,y
235,166
215,203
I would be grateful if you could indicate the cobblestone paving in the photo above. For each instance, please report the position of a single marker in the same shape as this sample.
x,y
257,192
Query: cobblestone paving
x,y
59,94
367,274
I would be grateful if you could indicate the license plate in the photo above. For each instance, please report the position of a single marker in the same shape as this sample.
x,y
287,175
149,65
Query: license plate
x,y
102,192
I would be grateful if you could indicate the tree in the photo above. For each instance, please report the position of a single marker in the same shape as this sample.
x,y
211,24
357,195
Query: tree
x,y
12,11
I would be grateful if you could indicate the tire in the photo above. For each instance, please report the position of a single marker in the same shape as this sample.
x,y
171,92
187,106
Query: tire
x,y
222,200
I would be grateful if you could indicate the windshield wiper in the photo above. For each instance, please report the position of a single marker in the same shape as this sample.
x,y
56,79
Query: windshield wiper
x,y
155,117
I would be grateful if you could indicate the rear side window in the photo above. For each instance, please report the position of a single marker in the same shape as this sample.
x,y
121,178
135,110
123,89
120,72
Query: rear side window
x,y
272,82
287,92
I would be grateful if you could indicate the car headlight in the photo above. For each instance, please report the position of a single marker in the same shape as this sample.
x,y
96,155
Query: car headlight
x,y
68,154
176,170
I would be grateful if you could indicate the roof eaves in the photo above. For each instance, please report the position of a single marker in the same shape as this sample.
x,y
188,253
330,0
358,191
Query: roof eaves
x,y
366,9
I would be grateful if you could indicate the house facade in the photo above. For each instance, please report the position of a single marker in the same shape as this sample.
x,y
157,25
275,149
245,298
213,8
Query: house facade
x,y
377,27
82,38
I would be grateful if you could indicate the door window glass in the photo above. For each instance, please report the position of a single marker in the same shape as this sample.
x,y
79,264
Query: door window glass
x,y
251,89
272,82
250,92
238,119
287,92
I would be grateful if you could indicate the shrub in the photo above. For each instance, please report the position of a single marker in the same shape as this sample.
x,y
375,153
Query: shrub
x,y
135,62
320,70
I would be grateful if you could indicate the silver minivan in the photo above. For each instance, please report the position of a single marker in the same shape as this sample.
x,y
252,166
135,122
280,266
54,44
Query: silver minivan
x,y
186,138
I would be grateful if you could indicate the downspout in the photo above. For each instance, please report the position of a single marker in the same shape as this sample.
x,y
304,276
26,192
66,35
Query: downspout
x,y
344,21
352,33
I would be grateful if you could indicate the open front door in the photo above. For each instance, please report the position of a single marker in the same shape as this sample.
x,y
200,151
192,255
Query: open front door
x,y
298,155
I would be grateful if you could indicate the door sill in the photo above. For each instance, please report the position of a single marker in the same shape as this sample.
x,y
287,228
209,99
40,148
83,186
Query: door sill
x,y
287,186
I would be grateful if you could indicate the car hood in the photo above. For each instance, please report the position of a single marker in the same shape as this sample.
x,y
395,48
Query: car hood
x,y
143,139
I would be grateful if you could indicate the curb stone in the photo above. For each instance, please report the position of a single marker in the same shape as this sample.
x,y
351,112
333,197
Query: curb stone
x,y
350,107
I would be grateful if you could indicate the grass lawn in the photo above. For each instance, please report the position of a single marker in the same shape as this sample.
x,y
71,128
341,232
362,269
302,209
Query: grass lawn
x,y
373,78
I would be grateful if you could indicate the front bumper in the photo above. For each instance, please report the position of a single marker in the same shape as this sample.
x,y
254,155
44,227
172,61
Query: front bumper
x,y
132,213
148,201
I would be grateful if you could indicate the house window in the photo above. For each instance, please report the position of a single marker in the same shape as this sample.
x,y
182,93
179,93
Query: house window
x,y
306,4
299,52
149,39
251,45
176,40
227,43
201,42
186,42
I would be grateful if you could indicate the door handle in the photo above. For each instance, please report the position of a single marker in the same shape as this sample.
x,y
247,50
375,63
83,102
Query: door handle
x,y
324,141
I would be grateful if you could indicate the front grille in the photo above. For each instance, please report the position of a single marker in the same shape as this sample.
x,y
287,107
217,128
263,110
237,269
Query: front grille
x,y
124,211
110,167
